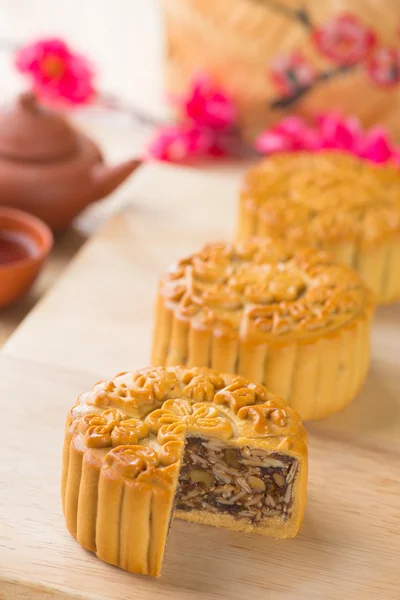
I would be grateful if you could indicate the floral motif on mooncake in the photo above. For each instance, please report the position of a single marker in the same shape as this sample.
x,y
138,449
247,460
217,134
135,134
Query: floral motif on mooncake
x,y
270,418
111,428
256,289
240,393
202,387
131,460
200,418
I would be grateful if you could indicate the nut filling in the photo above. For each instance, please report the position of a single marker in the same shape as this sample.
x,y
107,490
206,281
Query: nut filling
x,y
248,483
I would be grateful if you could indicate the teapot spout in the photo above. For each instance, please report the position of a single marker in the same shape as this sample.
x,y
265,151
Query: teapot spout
x,y
107,179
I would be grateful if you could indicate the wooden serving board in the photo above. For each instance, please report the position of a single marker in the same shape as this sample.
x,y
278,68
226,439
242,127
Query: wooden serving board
x,y
96,322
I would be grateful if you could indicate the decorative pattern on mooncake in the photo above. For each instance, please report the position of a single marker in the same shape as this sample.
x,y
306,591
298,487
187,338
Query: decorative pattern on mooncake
x,y
293,320
226,451
334,202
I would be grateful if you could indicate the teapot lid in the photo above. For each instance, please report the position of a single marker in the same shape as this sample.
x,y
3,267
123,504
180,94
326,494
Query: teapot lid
x,y
30,132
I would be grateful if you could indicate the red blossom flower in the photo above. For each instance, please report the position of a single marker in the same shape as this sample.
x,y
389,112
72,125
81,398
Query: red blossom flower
x,y
344,40
207,129
208,106
383,66
291,72
58,75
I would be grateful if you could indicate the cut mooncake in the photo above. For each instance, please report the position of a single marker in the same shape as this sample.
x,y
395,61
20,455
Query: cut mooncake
x,y
332,201
293,320
206,447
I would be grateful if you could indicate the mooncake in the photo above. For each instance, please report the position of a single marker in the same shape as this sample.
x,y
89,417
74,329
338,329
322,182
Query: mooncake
x,y
202,446
335,202
293,320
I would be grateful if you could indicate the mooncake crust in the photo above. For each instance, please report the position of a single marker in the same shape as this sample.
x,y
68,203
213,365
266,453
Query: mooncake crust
x,y
290,318
326,196
263,290
333,201
124,444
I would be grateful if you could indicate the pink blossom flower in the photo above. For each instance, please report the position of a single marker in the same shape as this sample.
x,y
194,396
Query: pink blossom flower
x,y
378,146
271,142
344,39
207,129
383,66
289,134
341,133
302,135
331,131
58,75
186,141
208,106
291,72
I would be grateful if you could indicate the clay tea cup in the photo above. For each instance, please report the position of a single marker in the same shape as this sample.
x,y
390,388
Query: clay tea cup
x,y
25,242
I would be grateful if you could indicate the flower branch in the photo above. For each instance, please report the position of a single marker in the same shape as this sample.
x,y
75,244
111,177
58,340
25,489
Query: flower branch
x,y
60,77
9,45
209,123
287,101
111,102
208,127
300,15
345,41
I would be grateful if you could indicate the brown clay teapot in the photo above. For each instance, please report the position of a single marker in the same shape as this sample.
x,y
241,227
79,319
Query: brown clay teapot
x,y
48,168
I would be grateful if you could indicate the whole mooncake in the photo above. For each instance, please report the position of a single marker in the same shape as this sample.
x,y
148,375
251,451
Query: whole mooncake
x,y
208,448
293,320
332,201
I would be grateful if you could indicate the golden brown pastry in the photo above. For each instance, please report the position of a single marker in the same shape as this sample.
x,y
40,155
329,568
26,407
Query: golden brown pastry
x,y
224,451
294,321
335,202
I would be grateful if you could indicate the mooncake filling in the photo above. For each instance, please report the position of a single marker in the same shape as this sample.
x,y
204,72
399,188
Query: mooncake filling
x,y
248,483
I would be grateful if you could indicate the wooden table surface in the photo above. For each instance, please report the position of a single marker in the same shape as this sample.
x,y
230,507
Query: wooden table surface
x,y
95,322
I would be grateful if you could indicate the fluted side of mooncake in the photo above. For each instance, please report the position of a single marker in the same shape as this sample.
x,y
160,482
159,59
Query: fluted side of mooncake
x,y
123,520
294,321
